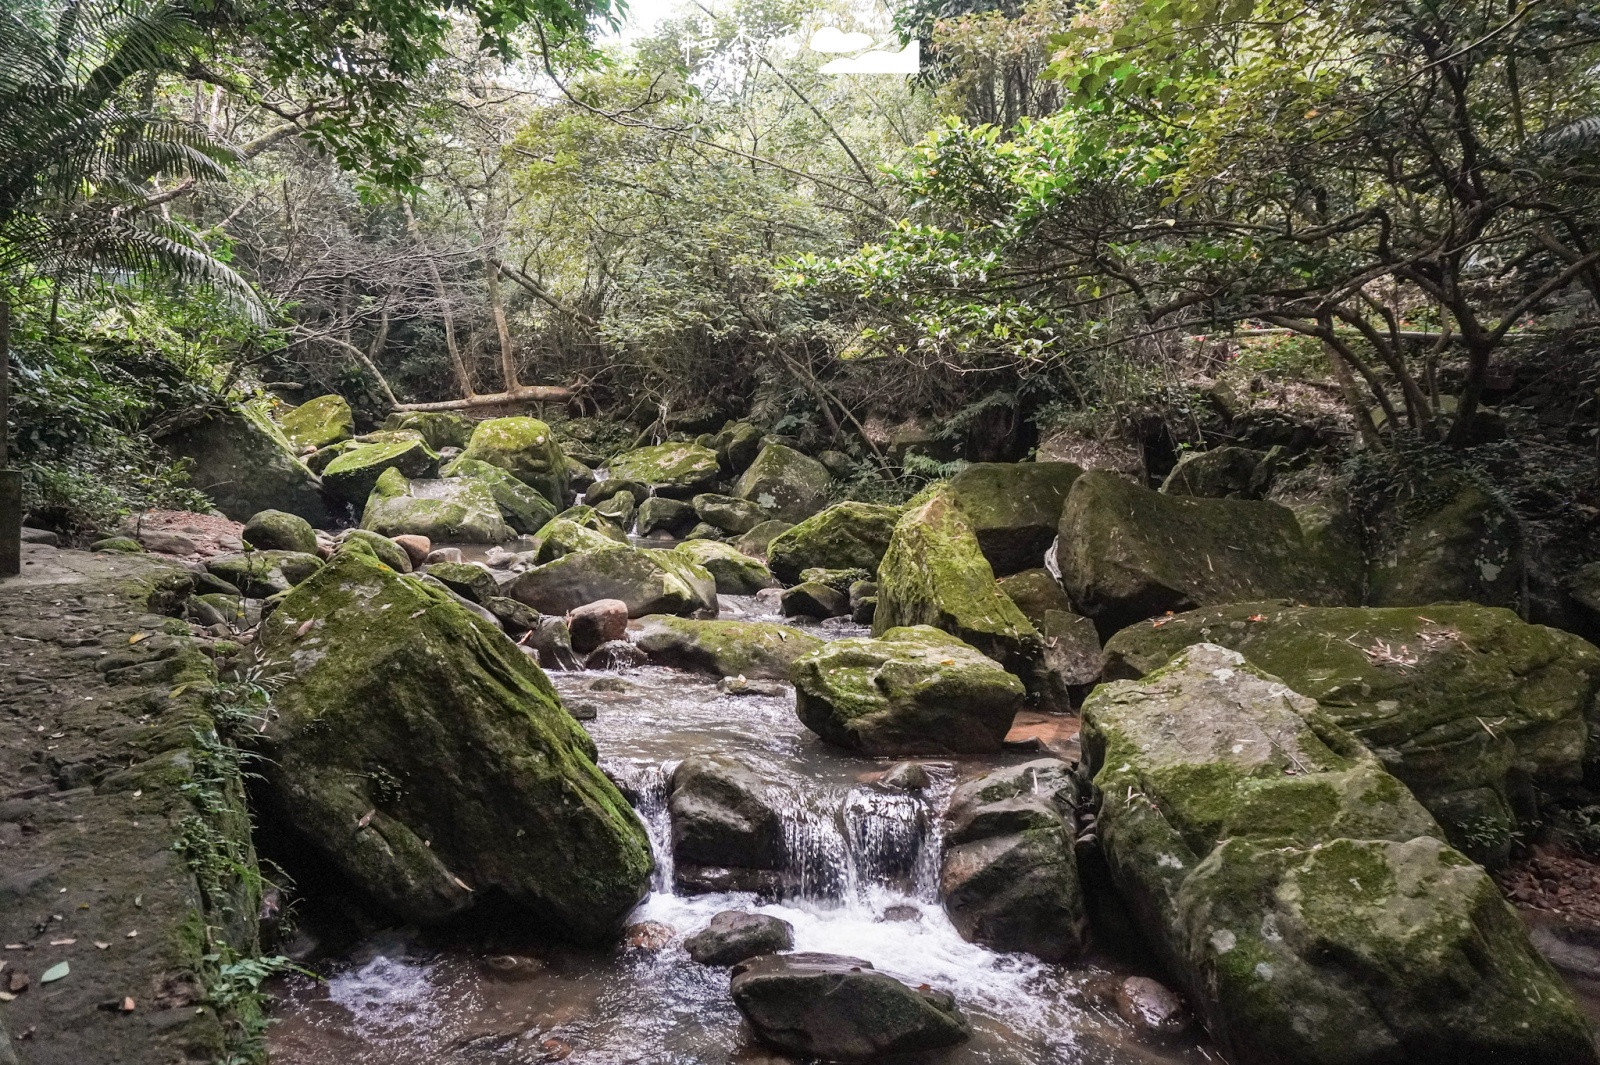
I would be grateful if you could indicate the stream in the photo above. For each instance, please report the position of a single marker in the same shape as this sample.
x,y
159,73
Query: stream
x,y
863,876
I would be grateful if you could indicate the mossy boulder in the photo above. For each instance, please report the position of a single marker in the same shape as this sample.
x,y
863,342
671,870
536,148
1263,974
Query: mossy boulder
x,y
677,471
737,446
352,476
1303,898
844,536
243,462
467,579
730,514
786,484
276,530
649,582
523,508
384,549
524,448
318,422
563,536
660,514
591,518
429,760
1071,642
122,545
1009,873
321,458
1452,541
449,509
1470,706
601,491
934,573
1014,508
756,650
1128,553
620,509
259,574
756,542
440,428
735,572
1222,473
914,690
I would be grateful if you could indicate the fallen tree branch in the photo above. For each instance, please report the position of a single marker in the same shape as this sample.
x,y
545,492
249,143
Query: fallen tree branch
x,y
525,394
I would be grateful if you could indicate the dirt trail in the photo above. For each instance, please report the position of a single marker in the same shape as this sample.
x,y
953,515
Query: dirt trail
x,y
110,798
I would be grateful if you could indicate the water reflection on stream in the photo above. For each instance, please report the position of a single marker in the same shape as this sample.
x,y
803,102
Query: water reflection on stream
x,y
864,865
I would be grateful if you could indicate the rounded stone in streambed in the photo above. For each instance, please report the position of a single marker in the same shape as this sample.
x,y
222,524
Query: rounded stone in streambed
x,y
597,623
721,815
277,530
734,936
841,1009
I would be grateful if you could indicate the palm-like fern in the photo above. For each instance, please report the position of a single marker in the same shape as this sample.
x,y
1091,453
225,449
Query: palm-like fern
x,y
79,156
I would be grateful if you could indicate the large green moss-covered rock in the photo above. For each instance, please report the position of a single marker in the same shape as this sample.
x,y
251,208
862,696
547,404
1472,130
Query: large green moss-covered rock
x,y
649,582
429,760
243,462
563,536
456,509
523,508
275,530
1128,553
934,573
318,422
1300,894
439,428
756,650
786,484
1470,706
592,519
352,476
383,549
1014,508
1453,541
914,690
730,514
844,536
524,448
737,446
676,471
735,572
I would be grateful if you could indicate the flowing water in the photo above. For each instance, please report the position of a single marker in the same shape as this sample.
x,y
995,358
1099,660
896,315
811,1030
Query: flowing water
x,y
861,880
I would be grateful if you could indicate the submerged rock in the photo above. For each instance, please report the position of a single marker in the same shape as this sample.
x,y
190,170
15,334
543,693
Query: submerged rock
x,y
318,422
1009,877
912,691
751,649
841,1009
429,760
524,448
648,581
722,816
1128,553
1302,896
786,484
736,573
452,508
1013,508
677,471
1469,706
845,536
734,936
934,573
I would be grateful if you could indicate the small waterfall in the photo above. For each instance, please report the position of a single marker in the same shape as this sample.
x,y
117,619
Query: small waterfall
x,y
819,865
892,844
645,786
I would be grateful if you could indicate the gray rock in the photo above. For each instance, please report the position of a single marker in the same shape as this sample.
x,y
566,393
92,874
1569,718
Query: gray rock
x,y
786,484
1221,473
1013,508
734,936
659,514
814,600
841,1009
648,581
721,815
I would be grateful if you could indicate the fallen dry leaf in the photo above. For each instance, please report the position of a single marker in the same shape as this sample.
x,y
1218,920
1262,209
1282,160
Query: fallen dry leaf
x,y
102,946
127,1004
136,637
366,819
305,627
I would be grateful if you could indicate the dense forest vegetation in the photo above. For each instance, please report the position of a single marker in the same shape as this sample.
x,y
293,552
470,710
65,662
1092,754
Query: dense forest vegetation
x,y
1069,219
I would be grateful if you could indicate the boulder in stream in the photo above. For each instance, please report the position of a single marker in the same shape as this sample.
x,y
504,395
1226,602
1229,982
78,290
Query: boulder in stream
x,y
1304,899
277,530
450,508
786,484
723,816
316,423
914,690
756,650
353,475
1009,877
676,471
1470,706
730,514
847,535
596,623
259,574
1013,508
735,572
648,581
244,463
524,448
438,427
429,760
734,936
671,517
1127,553
842,1009
523,507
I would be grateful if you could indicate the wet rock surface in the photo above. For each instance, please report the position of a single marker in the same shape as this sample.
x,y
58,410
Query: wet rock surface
x,y
734,936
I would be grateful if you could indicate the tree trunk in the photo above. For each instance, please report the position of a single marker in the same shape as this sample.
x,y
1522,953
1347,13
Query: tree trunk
x,y
463,378
525,394
508,356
